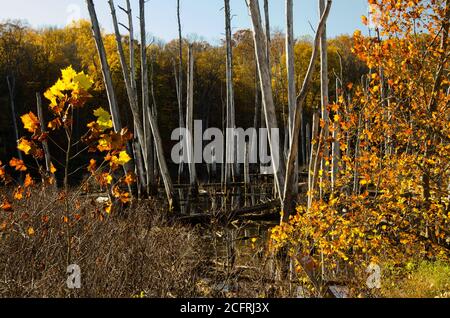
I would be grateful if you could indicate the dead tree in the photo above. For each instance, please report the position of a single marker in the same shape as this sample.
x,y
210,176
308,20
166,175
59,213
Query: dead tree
x,y
148,146
106,72
230,151
173,203
40,113
267,94
294,144
132,95
291,84
107,78
179,83
190,120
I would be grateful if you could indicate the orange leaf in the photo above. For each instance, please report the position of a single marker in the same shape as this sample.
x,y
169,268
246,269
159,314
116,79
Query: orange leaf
x,y
92,166
25,145
18,194
18,164
28,181
30,122
6,206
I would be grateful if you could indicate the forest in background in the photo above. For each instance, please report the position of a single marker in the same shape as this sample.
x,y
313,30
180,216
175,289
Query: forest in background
x,y
34,58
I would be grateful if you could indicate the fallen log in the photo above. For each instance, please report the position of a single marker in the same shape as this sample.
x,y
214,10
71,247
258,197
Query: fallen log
x,y
266,208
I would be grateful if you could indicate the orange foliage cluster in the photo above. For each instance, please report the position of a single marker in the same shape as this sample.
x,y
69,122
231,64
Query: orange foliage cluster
x,y
391,199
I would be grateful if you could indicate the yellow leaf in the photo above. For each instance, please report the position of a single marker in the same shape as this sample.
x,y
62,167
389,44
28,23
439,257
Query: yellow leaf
x,y
83,81
30,122
103,119
122,160
108,208
30,231
52,168
25,146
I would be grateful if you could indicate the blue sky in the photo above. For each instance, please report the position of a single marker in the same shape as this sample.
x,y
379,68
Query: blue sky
x,y
201,17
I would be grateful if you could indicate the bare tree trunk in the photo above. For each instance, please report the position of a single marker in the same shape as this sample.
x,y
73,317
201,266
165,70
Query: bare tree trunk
x,y
266,89
165,175
291,88
313,154
132,95
230,153
47,157
190,120
180,82
293,149
148,146
267,26
105,67
107,79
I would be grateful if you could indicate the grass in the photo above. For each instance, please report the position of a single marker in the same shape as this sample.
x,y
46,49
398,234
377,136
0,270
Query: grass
x,y
135,253
423,279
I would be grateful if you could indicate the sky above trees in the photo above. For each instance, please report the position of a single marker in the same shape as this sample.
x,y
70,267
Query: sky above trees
x,y
201,19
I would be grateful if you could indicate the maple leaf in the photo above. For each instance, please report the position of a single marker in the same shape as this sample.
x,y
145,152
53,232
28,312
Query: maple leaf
x,y
25,146
83,81
30,122
17,164
104,120
122,159
28,181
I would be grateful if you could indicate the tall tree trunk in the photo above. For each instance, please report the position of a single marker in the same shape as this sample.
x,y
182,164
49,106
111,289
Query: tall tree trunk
x,y
107,78
293,149
267,32
291,87
40,113
230,151
148,146
190,121
180,83
114,108
132,95
267,94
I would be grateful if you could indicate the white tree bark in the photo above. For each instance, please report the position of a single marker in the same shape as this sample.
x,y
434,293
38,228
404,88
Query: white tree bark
x,y
190,120
148,146
293,149
267,94
230,153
